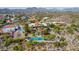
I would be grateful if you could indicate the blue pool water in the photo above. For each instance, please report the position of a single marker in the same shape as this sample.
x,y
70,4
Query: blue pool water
x,y
36,38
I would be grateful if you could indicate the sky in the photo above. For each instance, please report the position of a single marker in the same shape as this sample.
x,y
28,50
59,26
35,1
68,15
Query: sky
x,y
39,3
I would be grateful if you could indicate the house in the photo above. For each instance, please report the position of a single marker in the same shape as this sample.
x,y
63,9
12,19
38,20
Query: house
x,y
9,21
18,34
13,19
11,28
1,16
44,24
32,25
24,17
45,18
16,31
37,24
8,28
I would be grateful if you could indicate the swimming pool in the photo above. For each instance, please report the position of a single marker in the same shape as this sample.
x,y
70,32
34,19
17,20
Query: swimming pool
x,y
37,38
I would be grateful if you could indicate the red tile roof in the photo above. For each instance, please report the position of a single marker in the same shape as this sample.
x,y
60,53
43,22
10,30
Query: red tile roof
x,y
8,26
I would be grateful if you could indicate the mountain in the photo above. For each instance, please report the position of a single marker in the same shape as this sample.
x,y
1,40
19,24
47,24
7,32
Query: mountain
x,y
35,9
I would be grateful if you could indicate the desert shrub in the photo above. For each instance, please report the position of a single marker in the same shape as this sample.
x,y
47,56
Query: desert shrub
x,y
56,28
6,36
8,42
52,25
18,48
49,37
70,30
46,37
34,42
28,44
52,36
63,43
46,32
62,39
17,40
77,37
74,26
56,44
